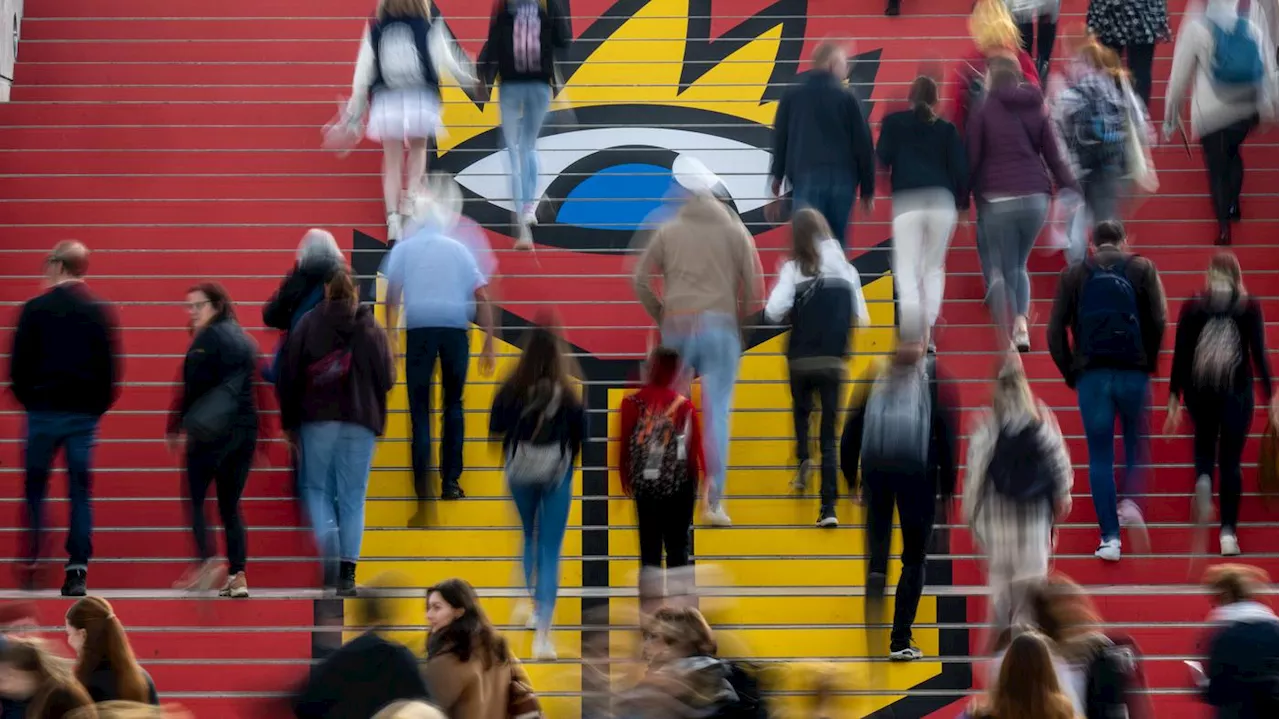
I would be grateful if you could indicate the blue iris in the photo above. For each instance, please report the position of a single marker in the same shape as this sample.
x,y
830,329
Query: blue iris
x,y
621,197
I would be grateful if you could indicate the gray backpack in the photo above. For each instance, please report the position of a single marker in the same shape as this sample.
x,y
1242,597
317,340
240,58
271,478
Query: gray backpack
x,y
898,420
1218,352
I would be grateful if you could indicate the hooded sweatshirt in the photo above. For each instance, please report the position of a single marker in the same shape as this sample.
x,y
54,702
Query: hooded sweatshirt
x,y
708,262
1011,140
1215,106
360,396
366,674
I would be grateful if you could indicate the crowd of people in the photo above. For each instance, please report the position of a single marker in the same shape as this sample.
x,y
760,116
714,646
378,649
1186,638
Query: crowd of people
x,y
1002,145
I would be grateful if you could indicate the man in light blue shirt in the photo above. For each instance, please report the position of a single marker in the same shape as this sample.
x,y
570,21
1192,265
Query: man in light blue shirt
x,y
441,285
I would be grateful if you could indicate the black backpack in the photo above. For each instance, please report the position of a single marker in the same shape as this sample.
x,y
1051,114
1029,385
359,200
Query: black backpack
x,y
746,683
1107,315
1021,470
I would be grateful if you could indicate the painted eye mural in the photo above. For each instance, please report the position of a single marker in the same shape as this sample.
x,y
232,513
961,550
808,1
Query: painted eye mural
x,y
648,84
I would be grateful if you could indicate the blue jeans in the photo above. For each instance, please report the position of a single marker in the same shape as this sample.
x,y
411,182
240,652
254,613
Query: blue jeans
x,y
423,345
524,108
75,434
1105,394
711,345
544,514
1102,191
830,192
336,459
1007,234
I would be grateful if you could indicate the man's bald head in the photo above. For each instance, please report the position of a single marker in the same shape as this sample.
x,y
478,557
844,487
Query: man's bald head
x,y
831,57
69,258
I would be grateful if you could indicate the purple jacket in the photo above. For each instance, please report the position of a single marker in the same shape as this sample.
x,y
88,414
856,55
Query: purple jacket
x,y
1011,140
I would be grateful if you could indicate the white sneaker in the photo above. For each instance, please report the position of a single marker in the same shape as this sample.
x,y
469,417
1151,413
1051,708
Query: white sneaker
x,y
910,654
717,517
800,483
529,215
1021,340
394,223
1202,509
1108,551
524,614
543,648
1230,545
524,237
1130,516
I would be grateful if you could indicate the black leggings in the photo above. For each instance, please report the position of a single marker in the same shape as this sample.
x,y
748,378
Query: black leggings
x,y
1037,39
227,466
1139,58
914,497
1221,427
1225,165
826,384
665,523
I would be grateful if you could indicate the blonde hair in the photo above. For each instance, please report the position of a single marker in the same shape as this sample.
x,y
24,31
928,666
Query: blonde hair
x,y
409,710
1101,58
992,27
403,8
1012,394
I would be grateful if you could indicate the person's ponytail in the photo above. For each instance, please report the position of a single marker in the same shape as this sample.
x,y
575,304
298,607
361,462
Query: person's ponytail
x,y
924,98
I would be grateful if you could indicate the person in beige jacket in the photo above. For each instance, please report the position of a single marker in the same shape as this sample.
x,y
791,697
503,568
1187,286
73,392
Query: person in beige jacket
x,y
711,280
470,671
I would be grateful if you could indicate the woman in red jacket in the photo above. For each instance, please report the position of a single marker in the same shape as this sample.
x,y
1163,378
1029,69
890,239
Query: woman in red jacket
x,y
995,34
661,467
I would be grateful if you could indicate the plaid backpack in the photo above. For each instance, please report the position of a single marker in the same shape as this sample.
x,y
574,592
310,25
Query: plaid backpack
x,y
659,455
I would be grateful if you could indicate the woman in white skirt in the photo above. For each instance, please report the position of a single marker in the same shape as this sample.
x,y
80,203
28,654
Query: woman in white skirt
x,y
1017,485
402,59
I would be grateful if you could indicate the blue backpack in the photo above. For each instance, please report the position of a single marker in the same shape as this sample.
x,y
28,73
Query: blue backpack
x,y
1108,315
1237,59
310,302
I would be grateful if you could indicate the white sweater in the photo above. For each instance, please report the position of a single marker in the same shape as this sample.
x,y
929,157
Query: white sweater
x,y
1214,107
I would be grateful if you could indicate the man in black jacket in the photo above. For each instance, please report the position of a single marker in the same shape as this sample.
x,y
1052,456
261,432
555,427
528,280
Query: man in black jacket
x,y
822,142
365,674
900,438
1113,306
64,369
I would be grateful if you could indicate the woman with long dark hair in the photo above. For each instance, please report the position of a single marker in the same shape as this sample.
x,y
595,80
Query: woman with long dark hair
x,y
215,410
1027,686
821,293
661,464
929,171
105,663
335,373
470,671
42,681
540,417
1219,349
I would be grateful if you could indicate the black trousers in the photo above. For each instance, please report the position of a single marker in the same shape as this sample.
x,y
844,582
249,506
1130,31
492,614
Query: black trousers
x,y
423,346
226,465
1221,426
1225,165
825,383
665,524
914,497
1139,58
1037,39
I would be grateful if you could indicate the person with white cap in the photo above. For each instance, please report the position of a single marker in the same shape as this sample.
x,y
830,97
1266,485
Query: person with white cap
x,y
711,280
439,274
900,440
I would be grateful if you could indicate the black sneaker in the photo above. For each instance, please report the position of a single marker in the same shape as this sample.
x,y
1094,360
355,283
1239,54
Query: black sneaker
x,y
75,583
347,579
894,8
827,517
452,491
1233,214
